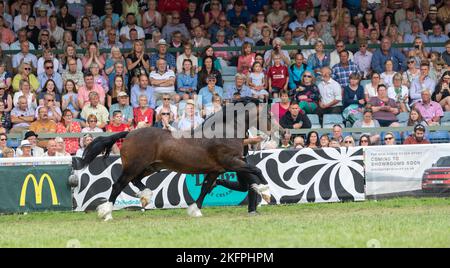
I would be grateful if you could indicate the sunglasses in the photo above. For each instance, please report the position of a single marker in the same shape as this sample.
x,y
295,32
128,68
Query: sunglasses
x,y
2,139
411,61
362,45
48,67
446,77
166,98
28,69
92,121
165,113
44,34
307,76
388,138
50,100
348,142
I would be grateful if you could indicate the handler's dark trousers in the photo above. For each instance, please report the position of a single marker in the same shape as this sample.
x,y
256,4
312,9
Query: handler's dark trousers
x,y
245,179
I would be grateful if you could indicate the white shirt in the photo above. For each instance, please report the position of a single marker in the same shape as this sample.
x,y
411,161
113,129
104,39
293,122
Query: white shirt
x,y
180,60
370,90
19,23
40,65
125,30
330,91
404,93
335,59
165,76
173,109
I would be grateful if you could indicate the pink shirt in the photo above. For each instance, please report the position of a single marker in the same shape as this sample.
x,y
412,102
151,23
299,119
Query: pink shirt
x,y
83,93
220,54
7,36
428,111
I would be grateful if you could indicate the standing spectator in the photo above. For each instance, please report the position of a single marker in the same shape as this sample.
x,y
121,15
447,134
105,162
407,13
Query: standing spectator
x,y
418,137
21,116
143,114
67,125
343,70
257,82
143,88
384,108
295,118
430,110
330,94
123,105
385,52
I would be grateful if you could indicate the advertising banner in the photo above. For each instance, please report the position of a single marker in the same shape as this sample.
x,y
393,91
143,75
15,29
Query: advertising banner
x,y
35,188
417,170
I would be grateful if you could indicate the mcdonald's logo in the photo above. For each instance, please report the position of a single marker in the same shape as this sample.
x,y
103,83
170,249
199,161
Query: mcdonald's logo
x,y
38,189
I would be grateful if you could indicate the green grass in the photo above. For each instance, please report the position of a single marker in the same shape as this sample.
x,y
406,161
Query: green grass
x,y
405,222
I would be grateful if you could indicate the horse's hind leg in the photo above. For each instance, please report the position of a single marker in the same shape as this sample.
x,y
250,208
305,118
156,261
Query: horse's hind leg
x,y
194,209
144,194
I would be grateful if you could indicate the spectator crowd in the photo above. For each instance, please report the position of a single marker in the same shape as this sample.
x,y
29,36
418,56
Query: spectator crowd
x,y
82,66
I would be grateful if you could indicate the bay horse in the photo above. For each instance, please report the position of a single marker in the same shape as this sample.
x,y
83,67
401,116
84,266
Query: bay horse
x,y
217,145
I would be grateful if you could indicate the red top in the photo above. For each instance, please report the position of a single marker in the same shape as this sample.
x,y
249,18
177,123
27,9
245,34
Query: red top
x,y
279,76
245,63
303,5
72,144
146,116
122,127
412,140
278,111
165,6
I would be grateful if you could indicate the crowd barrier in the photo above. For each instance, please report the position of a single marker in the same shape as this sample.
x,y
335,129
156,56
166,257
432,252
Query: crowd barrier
x,y
294,176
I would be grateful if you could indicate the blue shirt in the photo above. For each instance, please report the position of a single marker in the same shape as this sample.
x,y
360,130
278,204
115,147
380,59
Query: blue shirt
x,y
295,74
42,78
170,59
136,92
127,111
186,81
235,21
438,39
254,6
417,87
245,91
207,95
379,58
342,74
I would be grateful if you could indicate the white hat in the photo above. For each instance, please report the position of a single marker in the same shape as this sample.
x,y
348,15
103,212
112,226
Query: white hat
x,y
25,143
122,94
162,42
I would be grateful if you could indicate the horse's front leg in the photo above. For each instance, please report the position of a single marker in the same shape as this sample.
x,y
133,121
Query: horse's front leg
x,y
194,209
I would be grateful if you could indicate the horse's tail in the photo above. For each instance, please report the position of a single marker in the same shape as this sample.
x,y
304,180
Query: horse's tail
x,y
100,144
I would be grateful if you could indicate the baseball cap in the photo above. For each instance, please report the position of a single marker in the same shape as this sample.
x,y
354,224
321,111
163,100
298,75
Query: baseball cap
x,y
242,26
419,127
433,10
122,94
30,134
211,77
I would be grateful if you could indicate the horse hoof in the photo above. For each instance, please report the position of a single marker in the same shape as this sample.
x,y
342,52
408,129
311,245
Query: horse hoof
x,y
105,210
145,197
266,196
194,211
108,217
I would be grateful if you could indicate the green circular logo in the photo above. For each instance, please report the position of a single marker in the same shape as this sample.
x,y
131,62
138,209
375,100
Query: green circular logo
x,y
219,196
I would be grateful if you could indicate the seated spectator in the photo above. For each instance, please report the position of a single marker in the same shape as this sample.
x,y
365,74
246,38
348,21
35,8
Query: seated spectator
x,y
442,92
90,86
296,71
130,24
24,73
21,116
5,118
174,25
370,90
25,147
307,94
117,125
91,125
223,56
143,115
5,98
44,41
74,74
61,147
320,58
418,137
288,39
312,140
334,143
208,51
137,61
190,120
353,99
238,89
167,104
430,110
8,153
364,140
143,88
299,142
277,77
384,108
330,94
54,112
43,124
23,36
363,58
162,54
51,148
337,133
49,88
309,38
122,105
240,39
3,141
213,107
187,81
162,79
187,55
50,58
387,76
199,40
335,54
295,118
50,74
324,141
67,125
257,82
208,92
246,59
93,56
368,122
207,70
385,52
277,43
411,73
343,70
98,77
24,56
349,142
70,98
5,76
86,140
424,81
164,119
96,108
399,92
415,118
